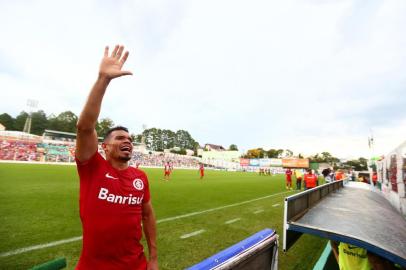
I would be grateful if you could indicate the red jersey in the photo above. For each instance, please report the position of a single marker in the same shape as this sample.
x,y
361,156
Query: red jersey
x,y
288,174
110,210
374,178
339,176
310,180
201,169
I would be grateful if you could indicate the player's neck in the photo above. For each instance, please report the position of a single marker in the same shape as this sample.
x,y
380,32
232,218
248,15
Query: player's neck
x,y
118,164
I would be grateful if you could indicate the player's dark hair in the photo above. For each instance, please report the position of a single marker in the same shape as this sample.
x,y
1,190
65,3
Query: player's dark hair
x,y
114,129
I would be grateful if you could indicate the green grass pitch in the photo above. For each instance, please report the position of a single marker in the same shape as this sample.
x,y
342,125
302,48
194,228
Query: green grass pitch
x,y
39,205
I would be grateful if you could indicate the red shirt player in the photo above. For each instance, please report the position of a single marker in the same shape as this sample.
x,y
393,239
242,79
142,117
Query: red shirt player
x,y
288,178
167,171
114,197
201,170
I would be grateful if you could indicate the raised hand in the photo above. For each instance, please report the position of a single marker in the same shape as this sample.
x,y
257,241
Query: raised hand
x,y
111,66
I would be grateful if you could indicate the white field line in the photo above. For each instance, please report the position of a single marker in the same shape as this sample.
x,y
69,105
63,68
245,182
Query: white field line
x,y
51,244
259,211
64,241
232,221
221,207
191,234
275,205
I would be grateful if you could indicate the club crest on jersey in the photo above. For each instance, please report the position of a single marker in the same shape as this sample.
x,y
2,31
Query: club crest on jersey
x,y
138,184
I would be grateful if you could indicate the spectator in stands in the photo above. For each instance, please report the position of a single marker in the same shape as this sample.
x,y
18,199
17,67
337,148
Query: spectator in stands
x,y
112,219
18,150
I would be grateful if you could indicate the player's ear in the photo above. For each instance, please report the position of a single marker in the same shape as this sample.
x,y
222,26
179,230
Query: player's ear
x,y
104,146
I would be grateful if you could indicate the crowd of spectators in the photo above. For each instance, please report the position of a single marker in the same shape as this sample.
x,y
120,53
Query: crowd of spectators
x,y
30,151
54,152
18,150
158,159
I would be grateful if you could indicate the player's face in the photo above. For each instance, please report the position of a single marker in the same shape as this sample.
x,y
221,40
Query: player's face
x,y
118,145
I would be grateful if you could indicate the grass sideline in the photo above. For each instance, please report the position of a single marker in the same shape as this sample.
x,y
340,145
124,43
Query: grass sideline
x,y
39,204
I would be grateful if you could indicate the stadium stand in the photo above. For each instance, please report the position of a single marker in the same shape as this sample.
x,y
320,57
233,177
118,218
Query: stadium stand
x,y
54,147
18,150
157,159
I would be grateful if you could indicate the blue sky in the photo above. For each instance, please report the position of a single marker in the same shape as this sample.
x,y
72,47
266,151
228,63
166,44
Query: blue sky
x,y
310,76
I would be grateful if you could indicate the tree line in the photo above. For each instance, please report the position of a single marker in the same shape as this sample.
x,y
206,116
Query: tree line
x,y
159,139
65,121
155,139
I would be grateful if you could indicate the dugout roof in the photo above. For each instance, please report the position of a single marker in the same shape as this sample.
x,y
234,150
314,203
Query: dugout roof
x,y
348,214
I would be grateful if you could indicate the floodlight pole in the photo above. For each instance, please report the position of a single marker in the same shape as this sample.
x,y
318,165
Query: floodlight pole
x,y
144,127
31,104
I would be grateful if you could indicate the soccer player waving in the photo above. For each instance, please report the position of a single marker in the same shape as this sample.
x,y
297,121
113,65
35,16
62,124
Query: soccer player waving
x,y
114,197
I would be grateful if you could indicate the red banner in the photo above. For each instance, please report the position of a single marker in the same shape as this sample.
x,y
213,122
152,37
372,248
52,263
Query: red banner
x,y
244,161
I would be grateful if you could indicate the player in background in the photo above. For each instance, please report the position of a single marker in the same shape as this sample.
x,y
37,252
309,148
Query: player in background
x,y
114,197
167,171
288,174
201,170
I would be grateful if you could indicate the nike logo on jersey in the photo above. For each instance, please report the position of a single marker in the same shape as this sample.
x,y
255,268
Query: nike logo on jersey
x,y
111,177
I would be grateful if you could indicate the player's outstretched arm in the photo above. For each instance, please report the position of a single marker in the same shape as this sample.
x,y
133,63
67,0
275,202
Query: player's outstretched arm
x,y
149,225
110,68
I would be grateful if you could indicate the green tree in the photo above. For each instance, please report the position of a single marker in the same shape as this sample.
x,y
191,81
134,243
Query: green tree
x,y
363,163
65,121
274,153
255,153
233,147
20,121
168,139
184,140
136,138
7,121
288,153
150,138
324,157
39,122
196,148
356,164
158,140
103,126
